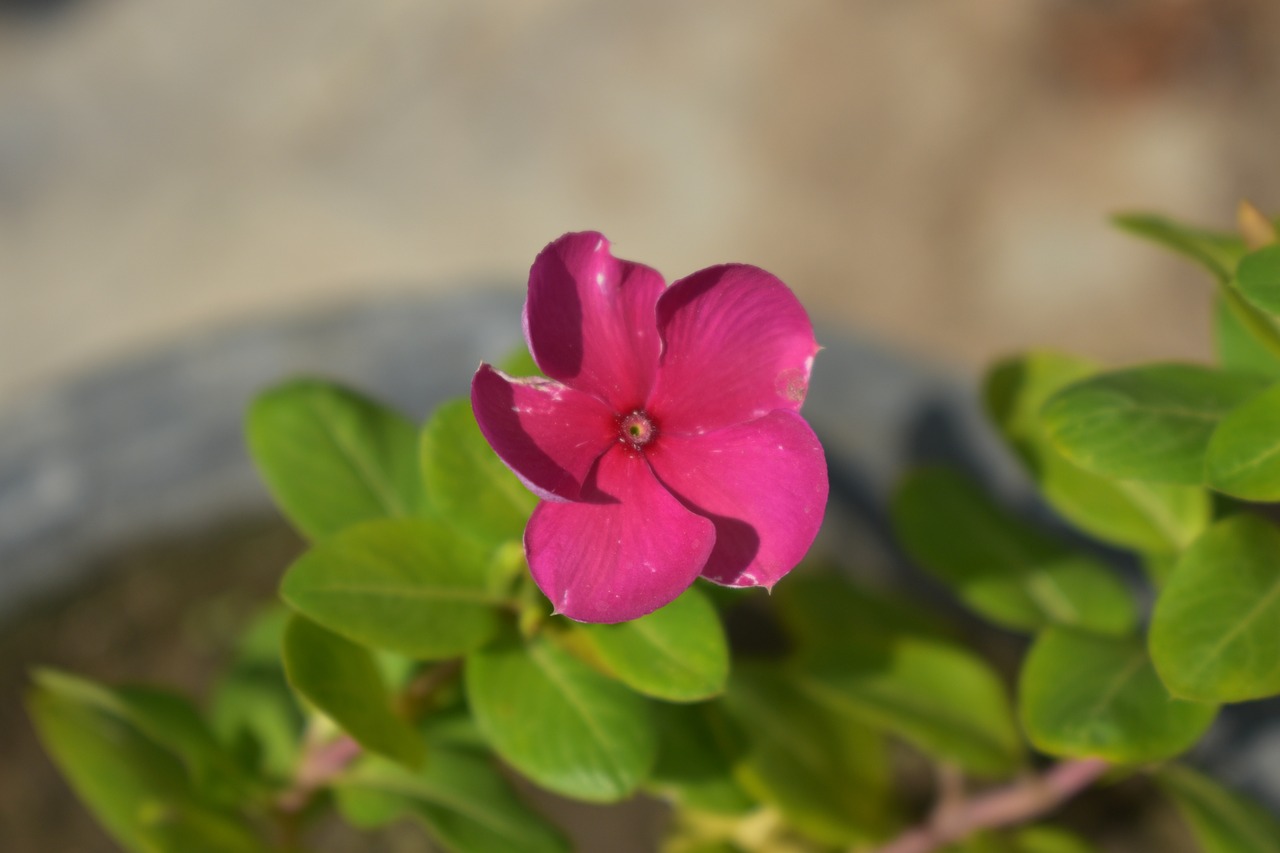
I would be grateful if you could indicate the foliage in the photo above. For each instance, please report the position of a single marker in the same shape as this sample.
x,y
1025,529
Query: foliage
x,y
418,668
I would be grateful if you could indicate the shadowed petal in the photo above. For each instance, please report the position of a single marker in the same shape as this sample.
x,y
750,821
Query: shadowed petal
x,y
736,345
590,319
628,553
548,434
763,484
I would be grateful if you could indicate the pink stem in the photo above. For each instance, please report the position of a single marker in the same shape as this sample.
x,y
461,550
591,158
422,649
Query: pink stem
x,y
1020,802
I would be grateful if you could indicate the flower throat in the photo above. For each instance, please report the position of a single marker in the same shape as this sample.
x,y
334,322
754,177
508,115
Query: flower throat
x,y
636,429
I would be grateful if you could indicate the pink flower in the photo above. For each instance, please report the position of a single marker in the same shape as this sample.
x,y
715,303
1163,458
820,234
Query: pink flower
x,y
666,443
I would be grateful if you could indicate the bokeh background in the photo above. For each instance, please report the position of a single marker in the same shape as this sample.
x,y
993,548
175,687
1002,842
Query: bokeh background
x,y
935,176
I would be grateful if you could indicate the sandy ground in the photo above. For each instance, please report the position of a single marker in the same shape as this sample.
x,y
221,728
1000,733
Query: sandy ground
x,y
933,174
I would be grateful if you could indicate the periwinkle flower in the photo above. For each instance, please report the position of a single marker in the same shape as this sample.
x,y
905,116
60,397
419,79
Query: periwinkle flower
x,y
666,442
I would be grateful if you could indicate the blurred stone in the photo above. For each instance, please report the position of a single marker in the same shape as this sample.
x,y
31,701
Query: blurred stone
x,y
935,173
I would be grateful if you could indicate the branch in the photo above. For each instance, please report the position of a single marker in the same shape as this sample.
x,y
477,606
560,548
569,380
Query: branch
x,y
1018,803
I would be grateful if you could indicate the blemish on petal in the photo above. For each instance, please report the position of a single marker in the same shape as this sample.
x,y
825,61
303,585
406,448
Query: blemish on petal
x,y
792,384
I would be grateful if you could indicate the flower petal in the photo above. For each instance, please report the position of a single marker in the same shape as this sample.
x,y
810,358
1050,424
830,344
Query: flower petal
x,y
547,433
631,550
736,345
763,484
590,320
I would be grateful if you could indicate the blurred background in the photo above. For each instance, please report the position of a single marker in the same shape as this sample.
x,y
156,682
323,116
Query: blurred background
x,y
934,176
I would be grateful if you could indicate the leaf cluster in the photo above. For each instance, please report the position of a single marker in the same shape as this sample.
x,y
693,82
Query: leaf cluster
x,y
416,673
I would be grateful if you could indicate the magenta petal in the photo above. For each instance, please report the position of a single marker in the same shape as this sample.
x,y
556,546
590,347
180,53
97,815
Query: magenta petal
x,y
763,484
548,434
736,345
590,320
626,554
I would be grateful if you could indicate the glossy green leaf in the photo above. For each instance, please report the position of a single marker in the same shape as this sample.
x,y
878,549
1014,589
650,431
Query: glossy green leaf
x,y
931,693
1002,567
333,458
1244,453
1148,517
678,653
1146,423
1216,626
1084,695
460,798
1236,326
122,775
828,775
891,666
413,586
698,746
466,482
1262,327
252,710
1221,820
341,680
1217,252
559,722
1258,278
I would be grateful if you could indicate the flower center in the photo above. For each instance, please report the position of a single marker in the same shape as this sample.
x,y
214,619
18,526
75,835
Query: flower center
x,y
636,429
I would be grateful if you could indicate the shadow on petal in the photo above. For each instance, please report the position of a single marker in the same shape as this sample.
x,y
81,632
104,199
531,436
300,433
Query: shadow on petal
x,y
497,411
553,316
736,548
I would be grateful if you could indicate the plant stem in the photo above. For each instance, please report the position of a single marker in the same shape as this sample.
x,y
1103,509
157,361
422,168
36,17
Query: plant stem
x,y
1017,803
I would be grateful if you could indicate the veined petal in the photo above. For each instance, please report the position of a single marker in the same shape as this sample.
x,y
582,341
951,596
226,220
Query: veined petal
x,y
547,433
736,345
590,319
627,552
764,486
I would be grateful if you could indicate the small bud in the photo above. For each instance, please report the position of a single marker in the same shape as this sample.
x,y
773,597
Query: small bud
x,y
1257,230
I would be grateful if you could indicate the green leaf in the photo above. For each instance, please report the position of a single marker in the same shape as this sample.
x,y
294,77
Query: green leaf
x,y
1084,695
559,722
882,662
466,482
1217,252
1003,568
1258,278
1244,453
698,746
168,720
253,710
342,680
332,457
1147,517
1222,821
125,777
1033,839
935,695
678,653
413,586
1238,347
821,609
1146,423
828,775
459,796
174,829
1263,328
1216,625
